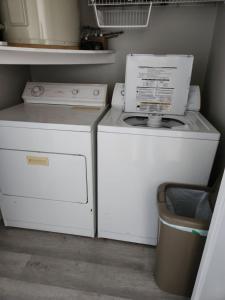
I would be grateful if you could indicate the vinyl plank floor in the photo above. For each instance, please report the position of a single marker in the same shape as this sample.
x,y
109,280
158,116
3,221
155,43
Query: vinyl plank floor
x,y
20,290
42,265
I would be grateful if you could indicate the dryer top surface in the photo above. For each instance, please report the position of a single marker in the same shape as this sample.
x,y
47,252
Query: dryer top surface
x,y
58,117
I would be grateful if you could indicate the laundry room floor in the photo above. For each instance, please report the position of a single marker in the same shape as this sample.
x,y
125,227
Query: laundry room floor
x,y
41,265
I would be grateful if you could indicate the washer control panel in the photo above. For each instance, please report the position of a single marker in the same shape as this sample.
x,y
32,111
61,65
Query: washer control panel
x,y
118,95
65,93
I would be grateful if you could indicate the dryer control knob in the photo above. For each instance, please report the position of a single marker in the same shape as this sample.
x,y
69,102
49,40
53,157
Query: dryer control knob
x,y
37,91
96,92
75,92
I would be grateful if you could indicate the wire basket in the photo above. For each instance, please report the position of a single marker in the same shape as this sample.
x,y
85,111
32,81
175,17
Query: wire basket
x,y
133,13
122,13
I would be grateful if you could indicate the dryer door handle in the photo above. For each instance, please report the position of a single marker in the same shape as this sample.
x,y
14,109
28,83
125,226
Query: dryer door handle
x,y
37,160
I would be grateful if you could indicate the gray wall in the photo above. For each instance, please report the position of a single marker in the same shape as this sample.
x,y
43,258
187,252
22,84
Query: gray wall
x,y
12,81
214,93
184,30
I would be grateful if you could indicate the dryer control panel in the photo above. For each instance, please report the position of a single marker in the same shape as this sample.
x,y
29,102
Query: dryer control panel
x,y
65,94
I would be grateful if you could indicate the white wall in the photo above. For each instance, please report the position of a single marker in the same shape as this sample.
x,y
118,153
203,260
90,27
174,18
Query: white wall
x,y
184,30
214,93
210,280
12,81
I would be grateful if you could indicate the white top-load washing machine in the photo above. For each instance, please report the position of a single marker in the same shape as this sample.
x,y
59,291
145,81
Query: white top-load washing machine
x,y
134,158
47,158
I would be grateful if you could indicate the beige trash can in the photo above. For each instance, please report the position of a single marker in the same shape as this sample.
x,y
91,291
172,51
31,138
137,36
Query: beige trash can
x,y
184,217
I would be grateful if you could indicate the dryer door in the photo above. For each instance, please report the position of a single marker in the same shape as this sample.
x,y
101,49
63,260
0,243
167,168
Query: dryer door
x,y
43,175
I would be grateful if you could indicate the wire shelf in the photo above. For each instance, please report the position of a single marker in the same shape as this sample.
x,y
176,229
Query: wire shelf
x,y
147,2
133,13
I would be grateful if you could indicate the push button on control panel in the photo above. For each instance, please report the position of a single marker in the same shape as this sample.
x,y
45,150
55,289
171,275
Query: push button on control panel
x,y
37,91
75,92
96,92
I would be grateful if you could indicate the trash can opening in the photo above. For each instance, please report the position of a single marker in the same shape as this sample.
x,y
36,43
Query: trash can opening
x,y
188,203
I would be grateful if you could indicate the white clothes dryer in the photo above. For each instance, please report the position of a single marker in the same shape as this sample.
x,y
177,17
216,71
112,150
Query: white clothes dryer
x,y
134,159
47,158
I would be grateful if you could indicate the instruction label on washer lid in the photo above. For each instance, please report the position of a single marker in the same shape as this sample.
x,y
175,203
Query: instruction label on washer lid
x,y
158,83
155,88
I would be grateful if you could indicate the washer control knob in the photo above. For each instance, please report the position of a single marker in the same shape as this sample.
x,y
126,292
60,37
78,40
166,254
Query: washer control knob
x,y
96,92
75,92
37,91
122,93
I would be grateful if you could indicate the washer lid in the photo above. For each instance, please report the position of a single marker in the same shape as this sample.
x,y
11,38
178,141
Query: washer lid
x,y
57,117
195,126
157,83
